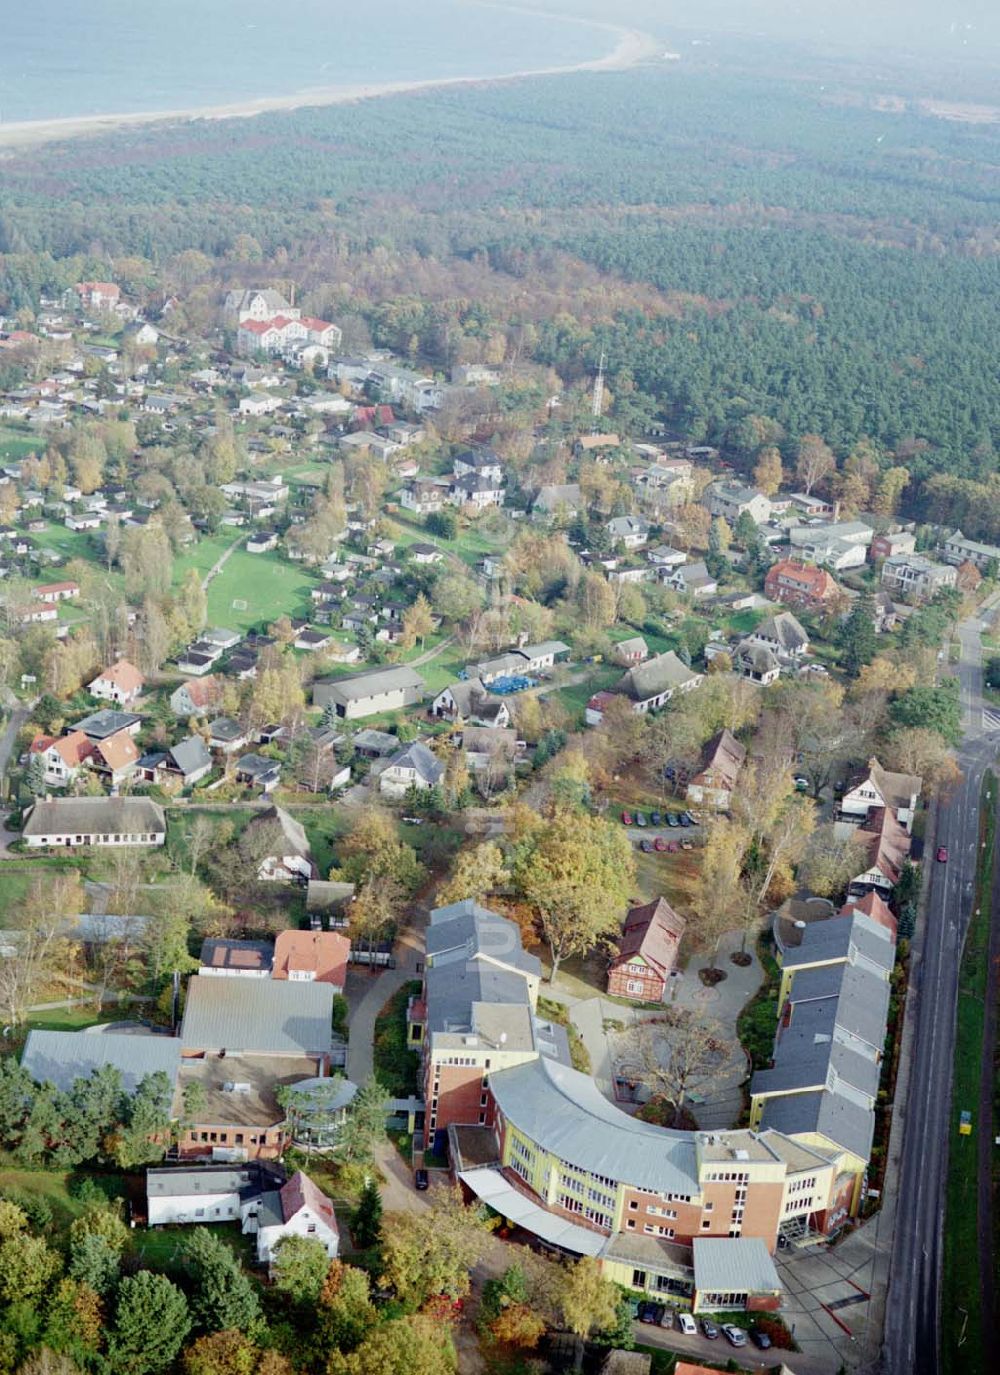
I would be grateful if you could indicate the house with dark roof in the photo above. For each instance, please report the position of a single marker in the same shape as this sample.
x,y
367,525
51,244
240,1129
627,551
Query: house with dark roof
x,y
63,1057
232,959
471,700
887,848
784,634
415,766
256,771
653,683
647,952
289,857
299,1208
756,662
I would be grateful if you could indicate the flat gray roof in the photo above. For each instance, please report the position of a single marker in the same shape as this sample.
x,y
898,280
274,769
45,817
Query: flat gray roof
x,y
62,1057
734,1264
357,686
257,1016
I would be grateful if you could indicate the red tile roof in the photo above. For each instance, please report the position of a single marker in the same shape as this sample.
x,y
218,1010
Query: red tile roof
x,y
323,953
118,750
874,906
300,1192
887,841
73,749
204,692
803,578
652,931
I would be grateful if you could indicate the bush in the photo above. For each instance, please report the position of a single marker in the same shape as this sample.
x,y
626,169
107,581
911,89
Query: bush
x,y
35,1208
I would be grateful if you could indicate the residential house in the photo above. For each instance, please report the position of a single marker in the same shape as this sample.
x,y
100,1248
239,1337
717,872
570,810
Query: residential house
x,y
197,698
653,683
231,959
298,1209
262,542
483,462
692,578
873,906
875,786
630,531
424,496
476,490
256,303
122,684
631,651
887,848
115,757
665,556
182,765
312,640
887,546
415,766
56,591
255,771
64,756
732,500
425,553
289,857
312,957
100,724
712,786
98,296
647,952
839,546
915,577
956,549
558,500
90,821
367,694
800,584
471,700
756,661
226,735
784,634
490,752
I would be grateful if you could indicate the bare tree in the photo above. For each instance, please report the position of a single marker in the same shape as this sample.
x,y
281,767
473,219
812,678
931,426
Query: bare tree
x,y
672,1053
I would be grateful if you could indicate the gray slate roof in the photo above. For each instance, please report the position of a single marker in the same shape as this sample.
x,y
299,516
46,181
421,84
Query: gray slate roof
x,y
294,839
190,755
357,686
95,816
61,1057
565,1113
832,1115
100,724
417,756
467,929
257,1016
203,1180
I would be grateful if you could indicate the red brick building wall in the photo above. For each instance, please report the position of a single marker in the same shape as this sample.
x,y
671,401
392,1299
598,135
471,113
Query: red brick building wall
x,y
619,976
456,1094
260,1143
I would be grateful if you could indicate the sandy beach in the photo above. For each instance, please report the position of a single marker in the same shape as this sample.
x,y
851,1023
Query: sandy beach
x,y
630,48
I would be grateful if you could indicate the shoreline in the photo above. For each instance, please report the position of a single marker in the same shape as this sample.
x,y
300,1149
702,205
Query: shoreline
x,y
631,48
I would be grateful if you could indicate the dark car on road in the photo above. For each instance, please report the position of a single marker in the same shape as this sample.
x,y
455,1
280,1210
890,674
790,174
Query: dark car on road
x,y
709,1329
760,1339
672,819
640,819
684,819
421,1180
646,845
650,1313
655,818
942,854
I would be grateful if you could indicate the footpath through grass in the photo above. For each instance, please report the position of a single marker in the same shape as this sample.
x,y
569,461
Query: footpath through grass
x,y
961,1315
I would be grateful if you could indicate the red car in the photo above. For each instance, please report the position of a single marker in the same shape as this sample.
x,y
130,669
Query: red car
x,y
659,844
942,854
626,818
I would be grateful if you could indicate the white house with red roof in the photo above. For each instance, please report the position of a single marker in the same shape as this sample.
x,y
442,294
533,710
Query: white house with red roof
x,y
199,697
298,1209
57,591
122,684
269,336
64,756
98,295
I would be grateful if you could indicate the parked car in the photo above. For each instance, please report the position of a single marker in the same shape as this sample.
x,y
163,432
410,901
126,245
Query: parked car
x,y
760,1339
640,819
942,854
672,819
627,818
672,847
688,1325
659,844
421,1180
735,1336
691,818
668,1317
684,819
646,845
801,784
650,1312
709,1329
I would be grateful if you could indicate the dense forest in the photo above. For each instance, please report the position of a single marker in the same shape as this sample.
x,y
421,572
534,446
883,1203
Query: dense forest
x,y
738,243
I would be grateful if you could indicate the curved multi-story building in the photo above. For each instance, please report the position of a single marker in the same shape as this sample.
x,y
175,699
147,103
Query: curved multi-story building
x,y
697,1215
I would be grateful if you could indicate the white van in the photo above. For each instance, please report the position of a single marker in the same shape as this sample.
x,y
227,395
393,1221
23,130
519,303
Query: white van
x,y
688,1326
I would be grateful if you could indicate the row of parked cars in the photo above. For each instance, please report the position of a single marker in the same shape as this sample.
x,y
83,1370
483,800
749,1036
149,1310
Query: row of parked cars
x,y
658,1315
671,819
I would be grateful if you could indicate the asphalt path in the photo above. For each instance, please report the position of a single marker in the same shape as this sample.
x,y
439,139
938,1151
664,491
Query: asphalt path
x,y
912,1329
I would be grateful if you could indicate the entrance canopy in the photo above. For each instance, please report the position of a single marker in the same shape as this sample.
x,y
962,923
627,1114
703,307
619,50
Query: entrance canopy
x,y
492,1188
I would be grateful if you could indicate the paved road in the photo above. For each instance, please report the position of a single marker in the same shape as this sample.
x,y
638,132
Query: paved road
x,y
912,1336
9,738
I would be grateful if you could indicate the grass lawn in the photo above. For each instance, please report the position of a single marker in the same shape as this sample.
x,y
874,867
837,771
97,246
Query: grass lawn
x,y
668,876
162,1248
395,1063
575,696
75,1018
758,1022
203,554
17,443
961,1315
324,826
52,1185
71,544
262,586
